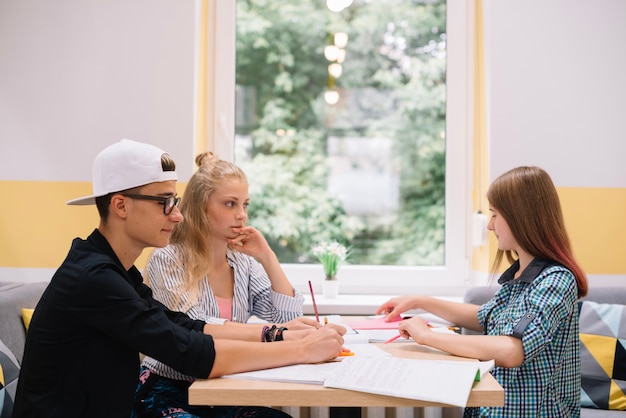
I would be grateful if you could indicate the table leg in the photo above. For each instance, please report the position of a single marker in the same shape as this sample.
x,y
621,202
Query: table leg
x,y
344,412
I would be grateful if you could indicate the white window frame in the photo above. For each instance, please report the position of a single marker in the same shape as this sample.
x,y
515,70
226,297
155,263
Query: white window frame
x,y
449,280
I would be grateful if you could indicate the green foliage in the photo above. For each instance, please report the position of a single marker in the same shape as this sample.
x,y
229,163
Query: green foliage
x,y
290,203
395,61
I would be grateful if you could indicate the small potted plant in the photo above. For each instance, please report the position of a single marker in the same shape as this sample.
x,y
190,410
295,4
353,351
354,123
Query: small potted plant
x,y
330,255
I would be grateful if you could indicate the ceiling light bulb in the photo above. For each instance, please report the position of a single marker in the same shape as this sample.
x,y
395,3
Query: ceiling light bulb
x,y
331,52
341,39
341,55
335,5
335,70
331,96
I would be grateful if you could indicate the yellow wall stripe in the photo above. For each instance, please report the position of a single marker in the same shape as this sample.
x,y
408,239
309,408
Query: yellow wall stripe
x,y
480,255
37,228
39,231
201,79
596,221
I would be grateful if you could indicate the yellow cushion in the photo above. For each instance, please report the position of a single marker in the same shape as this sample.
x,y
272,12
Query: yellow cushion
x,y
27,314
603,355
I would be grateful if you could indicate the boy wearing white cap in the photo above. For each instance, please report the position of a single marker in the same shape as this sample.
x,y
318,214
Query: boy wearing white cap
x,y
81,357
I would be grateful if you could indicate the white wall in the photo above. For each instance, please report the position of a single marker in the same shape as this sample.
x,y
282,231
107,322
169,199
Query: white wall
x,y
556,77
77,75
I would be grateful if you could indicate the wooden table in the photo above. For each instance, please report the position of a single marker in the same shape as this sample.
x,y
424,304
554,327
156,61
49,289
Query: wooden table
x,y
220,391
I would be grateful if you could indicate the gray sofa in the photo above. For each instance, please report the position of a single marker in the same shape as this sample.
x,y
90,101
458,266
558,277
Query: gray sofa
x,y
613,295
13,297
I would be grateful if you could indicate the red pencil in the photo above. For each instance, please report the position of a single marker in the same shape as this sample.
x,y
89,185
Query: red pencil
x,y
393,339
317,317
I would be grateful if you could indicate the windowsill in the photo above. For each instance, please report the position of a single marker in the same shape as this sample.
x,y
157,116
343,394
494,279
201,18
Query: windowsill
x,y
351,304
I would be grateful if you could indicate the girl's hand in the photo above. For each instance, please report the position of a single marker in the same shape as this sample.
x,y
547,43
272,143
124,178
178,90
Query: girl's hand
x,y
300,327
394,307
415,328
250,242
322,344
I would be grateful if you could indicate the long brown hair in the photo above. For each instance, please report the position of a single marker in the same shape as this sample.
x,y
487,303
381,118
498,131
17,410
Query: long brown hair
x,y
528,201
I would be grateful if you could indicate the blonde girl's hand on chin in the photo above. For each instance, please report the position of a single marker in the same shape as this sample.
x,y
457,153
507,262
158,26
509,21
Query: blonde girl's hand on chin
x,y
250,242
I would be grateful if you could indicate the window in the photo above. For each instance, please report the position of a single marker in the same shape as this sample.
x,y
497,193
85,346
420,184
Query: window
x,y
326,156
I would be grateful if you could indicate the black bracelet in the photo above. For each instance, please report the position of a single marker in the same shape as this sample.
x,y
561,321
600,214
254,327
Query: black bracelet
x,y
273,333
278,336
269,333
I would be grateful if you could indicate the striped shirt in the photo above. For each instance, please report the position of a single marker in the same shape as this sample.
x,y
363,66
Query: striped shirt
x,y
540,308
253,295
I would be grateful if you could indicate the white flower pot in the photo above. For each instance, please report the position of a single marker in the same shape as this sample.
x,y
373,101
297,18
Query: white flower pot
x,y
330,288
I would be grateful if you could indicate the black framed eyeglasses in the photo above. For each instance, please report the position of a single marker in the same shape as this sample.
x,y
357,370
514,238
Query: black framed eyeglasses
x,y
168,202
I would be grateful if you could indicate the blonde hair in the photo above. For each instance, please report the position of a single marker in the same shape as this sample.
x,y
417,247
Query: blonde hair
x,y
193,236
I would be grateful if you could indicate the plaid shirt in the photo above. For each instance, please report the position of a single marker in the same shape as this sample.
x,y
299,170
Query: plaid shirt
x,y
540,308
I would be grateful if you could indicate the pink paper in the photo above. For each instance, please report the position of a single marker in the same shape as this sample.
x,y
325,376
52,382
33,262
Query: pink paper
x,y
375,323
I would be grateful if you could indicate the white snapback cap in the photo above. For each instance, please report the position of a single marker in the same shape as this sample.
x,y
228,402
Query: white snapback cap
x,y
124,165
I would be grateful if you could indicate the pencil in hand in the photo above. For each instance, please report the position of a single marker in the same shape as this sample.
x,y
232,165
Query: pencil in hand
x,y
392,339
317,317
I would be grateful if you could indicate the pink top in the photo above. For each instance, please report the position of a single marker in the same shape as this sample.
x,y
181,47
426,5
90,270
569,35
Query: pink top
x,y
225,306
